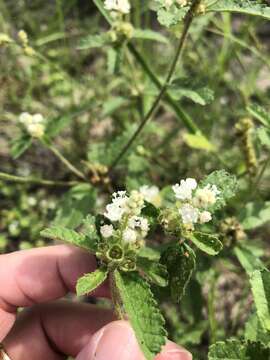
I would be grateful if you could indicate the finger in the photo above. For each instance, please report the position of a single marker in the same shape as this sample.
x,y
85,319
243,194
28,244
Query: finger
x,y
51,331
117,341
39,275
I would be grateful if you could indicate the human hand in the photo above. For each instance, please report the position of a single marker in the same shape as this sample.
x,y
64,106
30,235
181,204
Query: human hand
x,y
52,330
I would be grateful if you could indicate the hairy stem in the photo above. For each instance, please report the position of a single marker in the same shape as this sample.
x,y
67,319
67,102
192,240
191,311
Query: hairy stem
x,y
66,162
29,180
187,23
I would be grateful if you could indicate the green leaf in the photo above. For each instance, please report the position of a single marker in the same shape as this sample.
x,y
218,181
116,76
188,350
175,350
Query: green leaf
x,y
260,286
249,261
155,272
247,7
143,312
20,145
149,253
171,16
208,243
180,262
89,282
69,236
260,114
112,105
147,34
238,350
94,41
255,214
75,205
226,184
264,136
198,141
255,332
201,96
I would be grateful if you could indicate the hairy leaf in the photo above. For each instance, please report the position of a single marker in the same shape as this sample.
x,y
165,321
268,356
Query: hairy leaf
x,y
249,261
20,145
238,350
180,262
226,184
260,286
255,332
69,236
248,7
143,312
155,272
147,34
260,114
94,41
91,281
208,243
264,136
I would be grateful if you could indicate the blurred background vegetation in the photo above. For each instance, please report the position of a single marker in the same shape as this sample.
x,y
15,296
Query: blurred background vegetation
x,y
94,98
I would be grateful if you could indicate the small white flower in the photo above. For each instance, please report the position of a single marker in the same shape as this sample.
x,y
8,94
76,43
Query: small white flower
x,y
205,217
106,231
183,191
151,194
129,235
37,119
36,130
182,3
189,214
122,6
114,212
137,222
168,3
206,196
25,118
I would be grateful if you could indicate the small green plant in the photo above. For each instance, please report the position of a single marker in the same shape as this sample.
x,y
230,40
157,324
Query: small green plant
x,y
118,240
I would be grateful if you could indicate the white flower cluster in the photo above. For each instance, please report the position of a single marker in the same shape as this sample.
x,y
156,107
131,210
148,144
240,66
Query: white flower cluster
x,y
121,6
195,201
34,124
151,194
126,210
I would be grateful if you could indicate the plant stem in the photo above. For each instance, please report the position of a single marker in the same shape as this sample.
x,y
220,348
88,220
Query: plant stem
x,y
260,175
65,161
29,180
187,23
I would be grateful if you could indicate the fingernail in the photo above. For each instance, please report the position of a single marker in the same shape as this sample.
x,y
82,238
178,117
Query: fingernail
x,y
115,341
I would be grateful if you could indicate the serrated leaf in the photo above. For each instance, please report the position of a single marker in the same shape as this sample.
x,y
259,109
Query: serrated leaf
x,y
249,261
201,96
225,183
254,331
260,114
208,243
198,141
147,34
264,136
255,214
69,236
248,7
20,145
155,272
238,350
89,282
93,41
180,262
143,312
260,286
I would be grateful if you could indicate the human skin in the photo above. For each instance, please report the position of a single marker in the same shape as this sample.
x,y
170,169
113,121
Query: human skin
x,y
52,329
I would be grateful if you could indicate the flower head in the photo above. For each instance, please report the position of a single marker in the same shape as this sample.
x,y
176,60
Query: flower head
x,y
34,124
121,6
151,194
183,191
205,217
129,235
106,231
206,196
139,223
189,214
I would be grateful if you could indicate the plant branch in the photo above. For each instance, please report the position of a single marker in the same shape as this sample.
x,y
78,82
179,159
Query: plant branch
x,y
163,89
66,162
29,180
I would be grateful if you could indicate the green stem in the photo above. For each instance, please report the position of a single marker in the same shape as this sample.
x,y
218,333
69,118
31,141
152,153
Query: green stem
x,y
163,89
65,161
29,180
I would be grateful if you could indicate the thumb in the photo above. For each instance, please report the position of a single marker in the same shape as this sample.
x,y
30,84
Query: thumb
x,y
117,341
